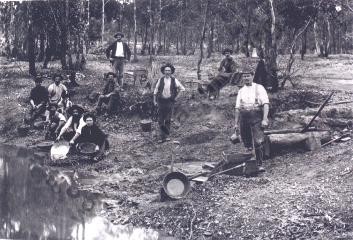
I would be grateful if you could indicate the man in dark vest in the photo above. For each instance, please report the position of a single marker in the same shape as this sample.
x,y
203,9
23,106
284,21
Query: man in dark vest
x,y
118,53
164,96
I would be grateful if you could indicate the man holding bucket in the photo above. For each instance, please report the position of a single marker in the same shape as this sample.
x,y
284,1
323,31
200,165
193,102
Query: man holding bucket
x,y
252,106
164,96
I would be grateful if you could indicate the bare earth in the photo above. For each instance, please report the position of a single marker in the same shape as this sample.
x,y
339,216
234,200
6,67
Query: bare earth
x,y
302,195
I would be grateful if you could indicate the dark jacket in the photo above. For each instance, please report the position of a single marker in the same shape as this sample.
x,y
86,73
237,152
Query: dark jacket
x,y
93,135
110,51
39,94
228,65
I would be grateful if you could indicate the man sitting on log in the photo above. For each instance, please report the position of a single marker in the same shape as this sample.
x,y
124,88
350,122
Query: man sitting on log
x,y
227,69
252,106
110,95
58,93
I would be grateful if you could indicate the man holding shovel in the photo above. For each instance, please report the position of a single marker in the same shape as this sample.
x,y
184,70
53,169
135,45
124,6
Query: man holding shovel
x,y
252,106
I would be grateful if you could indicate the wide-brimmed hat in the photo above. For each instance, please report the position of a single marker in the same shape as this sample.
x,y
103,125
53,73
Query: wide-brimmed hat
x,y
119,33
38,79
55,75
80,109
168,65
227,50
89,115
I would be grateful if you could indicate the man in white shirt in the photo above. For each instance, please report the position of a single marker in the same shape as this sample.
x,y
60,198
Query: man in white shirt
x,y
118,53
58,92
252,106
164,96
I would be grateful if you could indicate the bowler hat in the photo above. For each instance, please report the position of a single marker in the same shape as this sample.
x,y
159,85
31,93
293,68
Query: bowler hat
x,y
227,50
119,33
75,107
168,65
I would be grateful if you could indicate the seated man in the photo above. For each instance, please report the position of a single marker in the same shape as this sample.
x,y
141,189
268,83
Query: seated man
x,y
90,133
110,95
226,70
54,122
58,93
38,101
74,122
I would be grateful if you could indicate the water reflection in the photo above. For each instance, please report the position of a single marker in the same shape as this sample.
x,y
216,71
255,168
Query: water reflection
x,y
37,202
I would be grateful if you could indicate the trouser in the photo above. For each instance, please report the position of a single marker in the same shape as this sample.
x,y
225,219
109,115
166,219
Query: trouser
x,y
51,132
252,133
112,102
118,68
217,84
165,111
34,114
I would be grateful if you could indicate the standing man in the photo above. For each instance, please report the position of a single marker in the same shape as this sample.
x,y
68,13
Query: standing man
x,y
118,53
252,106
164,96
38,100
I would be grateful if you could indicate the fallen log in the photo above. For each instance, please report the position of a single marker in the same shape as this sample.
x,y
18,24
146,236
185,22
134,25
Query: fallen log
x,y
308,140
294,130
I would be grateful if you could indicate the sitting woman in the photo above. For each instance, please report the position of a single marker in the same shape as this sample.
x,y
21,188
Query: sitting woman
x,y
73,123
90,133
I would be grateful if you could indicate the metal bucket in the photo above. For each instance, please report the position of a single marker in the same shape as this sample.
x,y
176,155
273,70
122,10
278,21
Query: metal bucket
x,y
176,185
146,125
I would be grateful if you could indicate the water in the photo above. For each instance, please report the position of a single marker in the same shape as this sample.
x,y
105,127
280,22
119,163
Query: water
x,y
37,202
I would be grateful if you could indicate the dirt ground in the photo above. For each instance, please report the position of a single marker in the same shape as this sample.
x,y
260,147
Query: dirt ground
x,y
302,195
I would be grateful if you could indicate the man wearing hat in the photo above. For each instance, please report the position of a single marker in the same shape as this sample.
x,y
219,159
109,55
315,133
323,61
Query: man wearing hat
x,y
74,122
252,106
110,95
118,52
58,93
226,70
164,96
38,100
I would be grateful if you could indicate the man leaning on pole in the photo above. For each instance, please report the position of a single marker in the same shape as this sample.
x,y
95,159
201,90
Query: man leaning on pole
x,y
251,111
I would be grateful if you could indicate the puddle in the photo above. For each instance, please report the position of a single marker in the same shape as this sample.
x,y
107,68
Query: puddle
x,y
37,202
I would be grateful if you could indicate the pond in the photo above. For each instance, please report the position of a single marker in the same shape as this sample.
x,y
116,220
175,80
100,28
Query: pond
x,y
37,202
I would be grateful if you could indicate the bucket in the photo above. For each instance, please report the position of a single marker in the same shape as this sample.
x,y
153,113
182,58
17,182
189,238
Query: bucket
x,y
146,125
176,185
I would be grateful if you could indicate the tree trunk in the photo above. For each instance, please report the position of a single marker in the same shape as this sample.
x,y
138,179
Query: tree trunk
x,y
316,37
210,40
271,51
203,33
303,48
102,29
135,34
151,49
41,46
31,42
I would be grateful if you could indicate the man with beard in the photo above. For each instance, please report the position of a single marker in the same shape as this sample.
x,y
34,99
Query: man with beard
x,y
118,53
54,121
74,122
164,96
252,106
38,100
91,133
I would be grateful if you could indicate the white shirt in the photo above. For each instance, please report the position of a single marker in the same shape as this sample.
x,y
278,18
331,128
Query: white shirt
x,y
68,124
247,96
55,92
119,49
166,91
